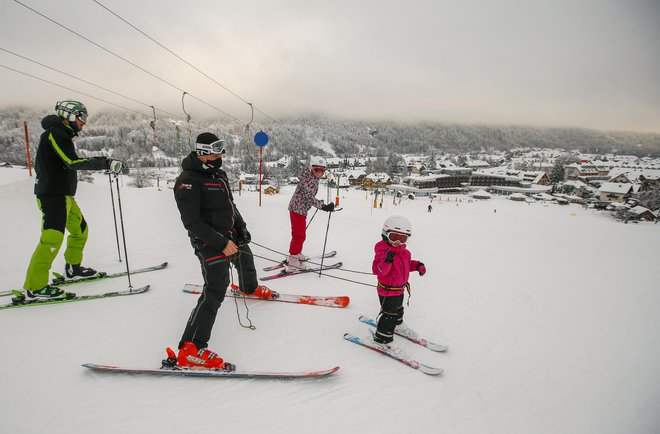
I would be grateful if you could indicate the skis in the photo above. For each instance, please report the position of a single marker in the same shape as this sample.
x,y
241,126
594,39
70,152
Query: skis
x,y
327,301
284,273
59,280
72,298
283,263
201,372
419,341
395,355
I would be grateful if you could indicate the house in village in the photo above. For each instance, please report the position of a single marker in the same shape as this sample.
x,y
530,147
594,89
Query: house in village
x,y
586,171
269,189
641,213
614,192
375,180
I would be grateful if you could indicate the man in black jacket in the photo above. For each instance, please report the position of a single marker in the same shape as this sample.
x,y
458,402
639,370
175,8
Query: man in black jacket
x,y
56,166
218,235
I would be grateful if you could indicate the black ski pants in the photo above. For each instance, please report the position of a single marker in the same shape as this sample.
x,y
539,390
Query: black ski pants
x,y
215,271
390,316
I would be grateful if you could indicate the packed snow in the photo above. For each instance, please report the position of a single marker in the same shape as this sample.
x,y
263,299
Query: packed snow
x,y
551,314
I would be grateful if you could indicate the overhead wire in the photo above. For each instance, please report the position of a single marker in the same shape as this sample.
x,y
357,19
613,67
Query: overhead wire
x,y
124,59
73,90
85,81
182,59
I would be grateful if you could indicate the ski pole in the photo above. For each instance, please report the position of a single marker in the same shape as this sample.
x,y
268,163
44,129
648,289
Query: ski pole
x,y
310,220
123,234
114,215
324,243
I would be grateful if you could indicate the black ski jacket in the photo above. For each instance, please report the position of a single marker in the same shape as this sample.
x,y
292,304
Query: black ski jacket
x,y
57,162
205,203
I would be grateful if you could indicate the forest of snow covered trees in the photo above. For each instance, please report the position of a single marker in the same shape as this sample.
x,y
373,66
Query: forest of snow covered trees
x,y
130,137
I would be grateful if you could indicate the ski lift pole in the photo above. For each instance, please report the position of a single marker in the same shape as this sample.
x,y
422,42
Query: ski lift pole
x,y
188,117
27,147
260,139
114,215
123,235
325,242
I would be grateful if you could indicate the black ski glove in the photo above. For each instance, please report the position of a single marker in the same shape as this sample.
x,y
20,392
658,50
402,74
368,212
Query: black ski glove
x,y
243,236
329,207
390,257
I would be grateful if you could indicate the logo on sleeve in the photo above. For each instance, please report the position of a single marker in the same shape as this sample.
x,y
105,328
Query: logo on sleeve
x,y
185,186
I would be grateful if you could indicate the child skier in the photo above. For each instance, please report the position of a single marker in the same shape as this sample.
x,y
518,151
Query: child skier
x,y
392,266
303,199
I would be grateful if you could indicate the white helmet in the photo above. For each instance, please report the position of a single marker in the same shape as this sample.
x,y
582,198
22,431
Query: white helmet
x,y
399,224
317,161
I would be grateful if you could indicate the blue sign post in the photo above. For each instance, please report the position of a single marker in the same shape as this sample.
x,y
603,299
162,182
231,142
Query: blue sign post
x,y
261,140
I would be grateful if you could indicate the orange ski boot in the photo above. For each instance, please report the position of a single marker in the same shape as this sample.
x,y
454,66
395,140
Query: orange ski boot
x,y
261,291
190,356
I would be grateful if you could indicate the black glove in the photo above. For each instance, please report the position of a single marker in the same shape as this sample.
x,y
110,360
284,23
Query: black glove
x,y
243,236
390,257
329,207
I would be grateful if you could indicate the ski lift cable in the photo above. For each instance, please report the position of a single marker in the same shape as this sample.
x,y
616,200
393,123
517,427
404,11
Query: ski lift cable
x,y
74,90
83,80
116,55
182,59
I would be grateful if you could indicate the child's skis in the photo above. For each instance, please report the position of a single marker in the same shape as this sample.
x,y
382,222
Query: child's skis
x,y
284,273
393,354
283,263
419,341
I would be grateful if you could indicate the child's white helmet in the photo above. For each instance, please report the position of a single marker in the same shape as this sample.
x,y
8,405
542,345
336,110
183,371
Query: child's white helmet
x,y
397,223
317,161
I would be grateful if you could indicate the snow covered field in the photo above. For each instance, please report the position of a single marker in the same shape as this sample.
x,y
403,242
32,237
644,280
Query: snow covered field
x,y
551,314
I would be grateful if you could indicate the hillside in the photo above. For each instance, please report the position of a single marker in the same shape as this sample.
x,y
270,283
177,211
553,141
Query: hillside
x,y
130,137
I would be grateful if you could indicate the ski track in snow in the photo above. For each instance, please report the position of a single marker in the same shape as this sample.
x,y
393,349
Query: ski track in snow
x,y
550,314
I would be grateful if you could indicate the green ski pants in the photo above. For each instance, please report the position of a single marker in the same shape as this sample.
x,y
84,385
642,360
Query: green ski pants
x,y
59,213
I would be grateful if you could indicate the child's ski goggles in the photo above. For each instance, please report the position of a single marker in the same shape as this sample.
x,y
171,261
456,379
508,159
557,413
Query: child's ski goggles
x,y
396,237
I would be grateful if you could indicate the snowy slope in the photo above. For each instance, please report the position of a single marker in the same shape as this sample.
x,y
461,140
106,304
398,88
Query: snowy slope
x,y
550,313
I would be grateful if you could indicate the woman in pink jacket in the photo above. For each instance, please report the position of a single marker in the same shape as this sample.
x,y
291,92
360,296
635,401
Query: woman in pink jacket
x,y
392,266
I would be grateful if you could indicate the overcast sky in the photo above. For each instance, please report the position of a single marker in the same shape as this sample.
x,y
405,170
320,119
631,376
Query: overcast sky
x,y
577,63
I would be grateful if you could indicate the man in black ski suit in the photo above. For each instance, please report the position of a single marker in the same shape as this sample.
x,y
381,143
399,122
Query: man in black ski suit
x,y
218,235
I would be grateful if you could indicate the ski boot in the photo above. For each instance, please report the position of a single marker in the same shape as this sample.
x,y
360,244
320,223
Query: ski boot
x,y
406,331
190,357
76,272
261,292
294,263
48,293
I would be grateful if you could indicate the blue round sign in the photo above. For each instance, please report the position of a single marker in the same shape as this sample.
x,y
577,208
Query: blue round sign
x,y
261,138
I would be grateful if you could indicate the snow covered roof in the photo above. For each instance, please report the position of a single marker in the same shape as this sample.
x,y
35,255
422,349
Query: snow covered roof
x,y
379,176
613,187
481,194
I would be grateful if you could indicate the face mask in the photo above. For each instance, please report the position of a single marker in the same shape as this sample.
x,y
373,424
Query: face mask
x,y
74,127
216,164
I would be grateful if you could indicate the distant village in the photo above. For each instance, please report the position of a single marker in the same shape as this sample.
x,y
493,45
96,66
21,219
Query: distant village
x,y
608,182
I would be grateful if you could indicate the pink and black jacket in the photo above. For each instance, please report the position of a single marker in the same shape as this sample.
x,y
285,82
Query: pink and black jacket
x,y
392,277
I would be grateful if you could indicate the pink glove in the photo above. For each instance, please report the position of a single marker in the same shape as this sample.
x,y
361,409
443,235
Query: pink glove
x,y
421,268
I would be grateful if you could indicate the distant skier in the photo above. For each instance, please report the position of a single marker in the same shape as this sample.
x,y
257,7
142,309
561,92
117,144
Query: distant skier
x,y
430,208
392,266
218,235
56,166
302,200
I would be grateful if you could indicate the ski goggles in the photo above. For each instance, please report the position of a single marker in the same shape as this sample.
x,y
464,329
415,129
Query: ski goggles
x,y
82,116
213,148
318,169
396,237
